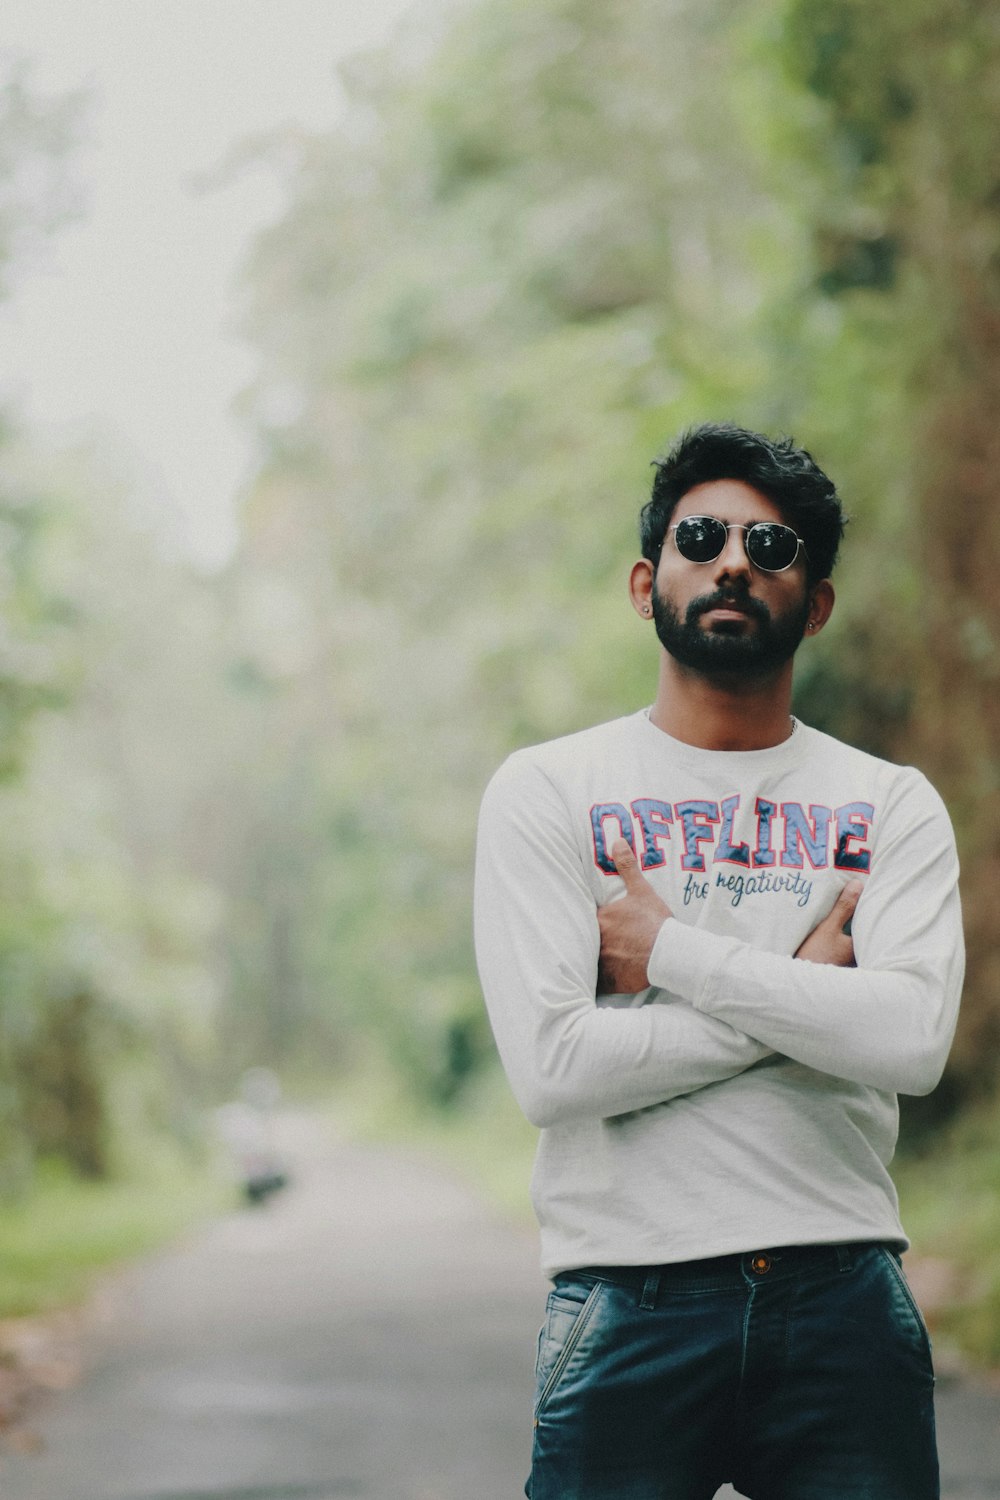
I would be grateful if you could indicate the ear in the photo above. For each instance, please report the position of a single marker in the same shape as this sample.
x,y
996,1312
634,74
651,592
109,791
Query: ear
x,y
821,601
640,587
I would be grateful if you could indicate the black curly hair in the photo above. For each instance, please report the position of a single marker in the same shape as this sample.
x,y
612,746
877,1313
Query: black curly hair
x,y
785,473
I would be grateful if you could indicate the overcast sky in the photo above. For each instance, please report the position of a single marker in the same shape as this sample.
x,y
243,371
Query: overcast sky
x,y
123,325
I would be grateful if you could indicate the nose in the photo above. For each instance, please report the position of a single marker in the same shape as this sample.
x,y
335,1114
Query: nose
x,y
732,561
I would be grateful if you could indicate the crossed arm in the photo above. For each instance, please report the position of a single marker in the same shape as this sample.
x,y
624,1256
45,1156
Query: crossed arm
x,y
630,928
727,1005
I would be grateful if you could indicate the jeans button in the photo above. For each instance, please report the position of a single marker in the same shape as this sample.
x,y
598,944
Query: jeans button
x,y
760,1264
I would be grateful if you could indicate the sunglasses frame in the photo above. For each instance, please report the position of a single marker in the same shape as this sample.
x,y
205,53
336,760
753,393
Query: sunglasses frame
x,y
746,528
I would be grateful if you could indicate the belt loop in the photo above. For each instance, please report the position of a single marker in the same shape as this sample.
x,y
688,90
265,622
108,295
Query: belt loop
x,y
650,1288
845,1260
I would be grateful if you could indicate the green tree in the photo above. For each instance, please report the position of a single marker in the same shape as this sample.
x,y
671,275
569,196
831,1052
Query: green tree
x,y
493,295
521,265
907,243
107,977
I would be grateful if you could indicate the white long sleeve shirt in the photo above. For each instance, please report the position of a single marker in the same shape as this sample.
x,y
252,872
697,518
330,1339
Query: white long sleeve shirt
x,y
747,1098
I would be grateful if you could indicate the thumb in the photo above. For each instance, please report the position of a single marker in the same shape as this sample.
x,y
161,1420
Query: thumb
x,y
626,865
847,901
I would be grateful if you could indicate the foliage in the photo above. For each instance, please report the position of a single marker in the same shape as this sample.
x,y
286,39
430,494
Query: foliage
x,y
240,810
466,325
950,1200
61,1236
104,959
105,964
908,105
513,274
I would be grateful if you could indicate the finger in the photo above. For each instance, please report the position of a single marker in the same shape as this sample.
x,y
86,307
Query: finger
x,y
625,863
849,897
844,906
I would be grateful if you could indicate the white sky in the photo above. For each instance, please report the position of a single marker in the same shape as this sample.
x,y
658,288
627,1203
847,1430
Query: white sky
x,y
123,324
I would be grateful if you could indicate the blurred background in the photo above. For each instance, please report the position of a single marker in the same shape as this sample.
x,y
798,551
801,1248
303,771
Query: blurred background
x,y
335,348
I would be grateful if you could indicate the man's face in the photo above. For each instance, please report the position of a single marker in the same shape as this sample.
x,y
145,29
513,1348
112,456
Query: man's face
x,y
727,618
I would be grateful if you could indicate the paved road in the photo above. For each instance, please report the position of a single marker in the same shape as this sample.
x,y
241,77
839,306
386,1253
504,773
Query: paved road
x,y
370,1333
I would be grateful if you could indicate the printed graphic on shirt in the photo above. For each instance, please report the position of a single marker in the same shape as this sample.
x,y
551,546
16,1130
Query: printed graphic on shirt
x,y
765,852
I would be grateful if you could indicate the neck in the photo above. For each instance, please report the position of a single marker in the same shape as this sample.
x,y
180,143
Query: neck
x,y
722,713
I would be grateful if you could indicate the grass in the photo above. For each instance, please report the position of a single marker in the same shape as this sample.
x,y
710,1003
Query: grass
x,y
64,1233
950,1202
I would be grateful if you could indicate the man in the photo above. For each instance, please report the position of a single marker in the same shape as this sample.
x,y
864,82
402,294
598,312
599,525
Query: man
x,y
712,1038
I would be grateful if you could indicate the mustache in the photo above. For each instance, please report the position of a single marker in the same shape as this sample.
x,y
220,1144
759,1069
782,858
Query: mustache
x,y
721,598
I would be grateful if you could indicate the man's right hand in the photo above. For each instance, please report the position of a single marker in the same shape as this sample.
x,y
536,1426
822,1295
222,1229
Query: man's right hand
x,y
828,943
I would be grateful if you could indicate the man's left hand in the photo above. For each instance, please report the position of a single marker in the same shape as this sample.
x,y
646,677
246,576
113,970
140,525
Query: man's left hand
x,y
629,928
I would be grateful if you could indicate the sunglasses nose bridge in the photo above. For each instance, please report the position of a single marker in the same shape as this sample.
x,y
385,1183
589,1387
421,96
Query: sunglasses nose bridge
x,y
734,556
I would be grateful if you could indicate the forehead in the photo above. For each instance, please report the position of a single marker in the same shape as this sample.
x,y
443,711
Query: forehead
x,y
729,500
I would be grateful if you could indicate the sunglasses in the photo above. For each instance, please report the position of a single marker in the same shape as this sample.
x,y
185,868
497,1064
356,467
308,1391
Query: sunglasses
x,y
769,545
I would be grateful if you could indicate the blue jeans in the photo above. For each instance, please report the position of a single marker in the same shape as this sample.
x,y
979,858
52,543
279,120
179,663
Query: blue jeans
x,y
801,1373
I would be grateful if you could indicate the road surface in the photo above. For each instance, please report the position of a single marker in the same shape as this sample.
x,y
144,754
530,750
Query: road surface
x,y
368,1333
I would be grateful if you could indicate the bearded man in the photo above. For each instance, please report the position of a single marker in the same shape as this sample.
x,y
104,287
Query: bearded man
x,y
715,944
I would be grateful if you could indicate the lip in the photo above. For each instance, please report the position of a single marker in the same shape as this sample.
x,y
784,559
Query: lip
x,y
728,612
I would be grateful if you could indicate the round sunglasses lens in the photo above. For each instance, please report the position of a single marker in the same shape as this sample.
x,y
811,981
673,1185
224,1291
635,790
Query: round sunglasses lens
x,y
700,538
771,546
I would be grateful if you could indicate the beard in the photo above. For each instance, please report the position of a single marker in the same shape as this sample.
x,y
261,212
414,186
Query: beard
x,y
729,652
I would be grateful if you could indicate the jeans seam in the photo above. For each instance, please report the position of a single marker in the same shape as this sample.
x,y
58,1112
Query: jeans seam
x,y
570,1346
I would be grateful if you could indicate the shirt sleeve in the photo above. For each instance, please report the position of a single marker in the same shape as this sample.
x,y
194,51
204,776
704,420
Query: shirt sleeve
x,y
537,946
889,1022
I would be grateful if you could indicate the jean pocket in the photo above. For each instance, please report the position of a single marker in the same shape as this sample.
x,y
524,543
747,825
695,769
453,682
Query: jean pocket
x,y
569,1313
905,1304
